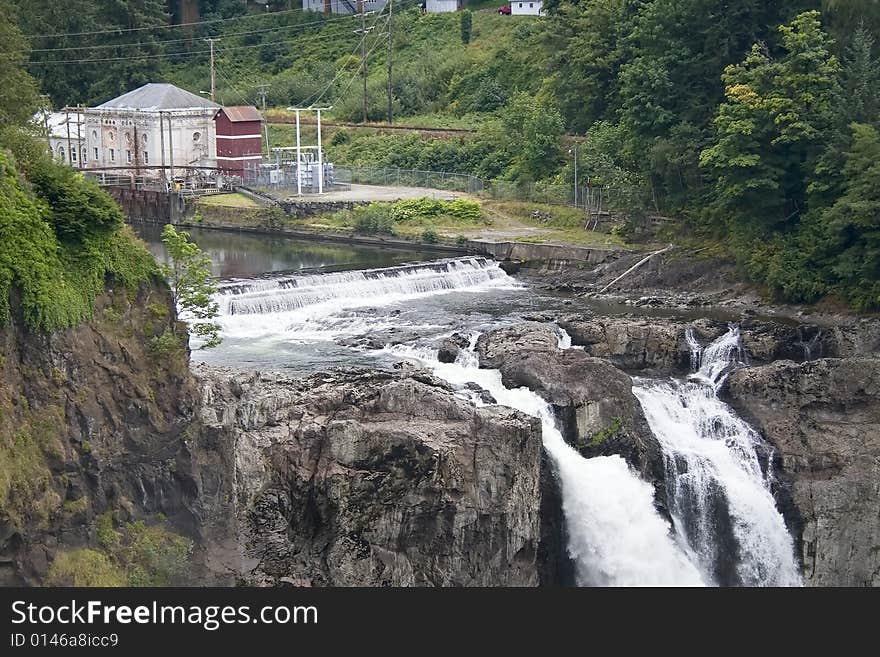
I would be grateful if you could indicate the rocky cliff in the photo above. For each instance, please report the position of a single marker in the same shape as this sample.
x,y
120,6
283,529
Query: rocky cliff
x,y
365,478
823,417
93,419
592,399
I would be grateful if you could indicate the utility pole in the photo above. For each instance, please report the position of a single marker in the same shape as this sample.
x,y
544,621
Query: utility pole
x,y
390,58
263,88
211,41
363,32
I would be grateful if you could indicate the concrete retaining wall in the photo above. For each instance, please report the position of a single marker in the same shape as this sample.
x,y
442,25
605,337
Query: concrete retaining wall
x,y
148,205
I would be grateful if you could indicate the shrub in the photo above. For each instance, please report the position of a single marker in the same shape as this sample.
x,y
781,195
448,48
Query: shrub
x,y
430,237
464,209
151,555
165,345
373,219
84,567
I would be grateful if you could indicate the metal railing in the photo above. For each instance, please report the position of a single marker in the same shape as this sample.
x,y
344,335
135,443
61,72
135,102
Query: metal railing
x,y
396,177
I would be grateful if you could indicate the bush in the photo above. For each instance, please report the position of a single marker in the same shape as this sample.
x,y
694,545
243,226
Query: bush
x,y
464,209
430,237
373,219
151,555
58,280
165,345
78,206
84,567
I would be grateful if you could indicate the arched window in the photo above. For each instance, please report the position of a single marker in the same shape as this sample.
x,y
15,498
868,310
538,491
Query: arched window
x,y
61,153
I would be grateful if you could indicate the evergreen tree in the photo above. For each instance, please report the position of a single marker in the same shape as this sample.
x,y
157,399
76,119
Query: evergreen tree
x,y
770,130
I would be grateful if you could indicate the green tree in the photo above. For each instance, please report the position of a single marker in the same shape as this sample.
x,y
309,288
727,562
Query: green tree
x,y
66,36
770,130
857,101
79,207
19,97
190,277
467,20
852,225
670,84
532,130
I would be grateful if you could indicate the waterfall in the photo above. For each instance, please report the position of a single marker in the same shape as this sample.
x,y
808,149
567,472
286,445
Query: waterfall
x,y
615,535
316,307
366,286
719,495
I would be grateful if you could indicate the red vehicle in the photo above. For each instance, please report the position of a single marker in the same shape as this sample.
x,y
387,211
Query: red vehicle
x,y
504,11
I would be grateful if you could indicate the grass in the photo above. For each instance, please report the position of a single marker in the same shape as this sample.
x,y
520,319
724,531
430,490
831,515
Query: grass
x,y
234,200
498,220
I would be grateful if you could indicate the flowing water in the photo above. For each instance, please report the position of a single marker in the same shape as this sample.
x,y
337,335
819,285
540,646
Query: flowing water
x,y
718,490
304,306
615,535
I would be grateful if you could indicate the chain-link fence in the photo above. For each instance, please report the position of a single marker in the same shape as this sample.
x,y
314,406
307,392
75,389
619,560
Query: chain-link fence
x,y
594,200
395,177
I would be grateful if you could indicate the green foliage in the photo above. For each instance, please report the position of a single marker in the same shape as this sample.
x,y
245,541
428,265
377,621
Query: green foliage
x,y
149,555
770,131
190,277
18,90
166,344
850,228
467,24
136,554
59,280
430,236
79,208
372,219
84,567
607,433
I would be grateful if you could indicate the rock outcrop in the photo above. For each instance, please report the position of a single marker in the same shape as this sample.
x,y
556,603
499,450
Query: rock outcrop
x,y
93,419
823,417
639,345
656,346
366,478
592,399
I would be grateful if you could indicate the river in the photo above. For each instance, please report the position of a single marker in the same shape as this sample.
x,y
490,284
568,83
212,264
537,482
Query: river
x,y
304,306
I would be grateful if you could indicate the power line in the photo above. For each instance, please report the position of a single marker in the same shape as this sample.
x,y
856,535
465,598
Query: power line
x,y
353,77
299,27
119,30
342,68
191,53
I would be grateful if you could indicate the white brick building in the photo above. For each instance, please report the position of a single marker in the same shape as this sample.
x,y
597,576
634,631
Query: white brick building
x,y
150,127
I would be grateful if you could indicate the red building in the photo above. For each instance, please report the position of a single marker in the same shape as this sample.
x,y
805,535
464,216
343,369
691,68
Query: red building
x,y
239,137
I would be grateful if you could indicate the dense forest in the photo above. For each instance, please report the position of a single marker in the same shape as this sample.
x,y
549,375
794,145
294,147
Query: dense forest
x,y
752,123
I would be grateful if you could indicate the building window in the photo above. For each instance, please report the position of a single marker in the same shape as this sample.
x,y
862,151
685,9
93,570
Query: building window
x,y
96,154
111,136
61,153
85,152
197,136
128,156
531,5
73,153
146,157
112,155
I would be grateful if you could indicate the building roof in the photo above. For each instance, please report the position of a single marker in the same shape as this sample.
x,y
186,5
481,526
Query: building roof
x,y
57,122
241,113
159,96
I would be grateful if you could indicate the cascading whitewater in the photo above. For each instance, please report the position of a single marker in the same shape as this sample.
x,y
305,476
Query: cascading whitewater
x,y
373,286
718,493
615,535
323,306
